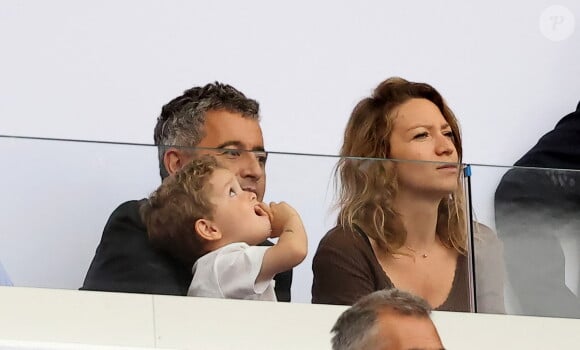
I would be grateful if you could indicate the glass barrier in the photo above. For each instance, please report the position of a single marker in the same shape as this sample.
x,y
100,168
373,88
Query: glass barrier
x,y
535,214
60,194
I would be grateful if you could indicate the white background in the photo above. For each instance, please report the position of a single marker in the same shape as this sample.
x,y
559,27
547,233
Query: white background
x,y
102,70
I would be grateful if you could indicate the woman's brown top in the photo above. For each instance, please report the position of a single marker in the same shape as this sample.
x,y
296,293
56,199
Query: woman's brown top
x,y
346,269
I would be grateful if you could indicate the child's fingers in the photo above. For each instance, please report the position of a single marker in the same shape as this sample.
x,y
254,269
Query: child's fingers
x,y
266,209
274,208
279,205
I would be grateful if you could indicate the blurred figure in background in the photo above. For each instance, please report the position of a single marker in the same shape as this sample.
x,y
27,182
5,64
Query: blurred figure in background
x,y
533,208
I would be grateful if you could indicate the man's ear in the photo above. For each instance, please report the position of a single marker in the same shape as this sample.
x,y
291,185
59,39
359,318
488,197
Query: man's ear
x,y
207,230
174,159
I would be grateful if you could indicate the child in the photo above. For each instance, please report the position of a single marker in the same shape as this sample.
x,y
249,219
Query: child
x,y
202,216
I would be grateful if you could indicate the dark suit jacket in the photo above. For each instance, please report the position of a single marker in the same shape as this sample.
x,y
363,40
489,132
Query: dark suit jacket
x,y
554,193
125,261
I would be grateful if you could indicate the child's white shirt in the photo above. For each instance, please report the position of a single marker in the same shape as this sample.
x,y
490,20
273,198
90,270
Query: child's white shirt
x,y
230,272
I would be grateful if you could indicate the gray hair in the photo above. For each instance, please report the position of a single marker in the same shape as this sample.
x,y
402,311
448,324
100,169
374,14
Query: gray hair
x,y
182,119
355,328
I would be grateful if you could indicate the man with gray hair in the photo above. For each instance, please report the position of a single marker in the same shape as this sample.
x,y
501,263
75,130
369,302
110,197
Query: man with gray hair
x,y
214,119
384,320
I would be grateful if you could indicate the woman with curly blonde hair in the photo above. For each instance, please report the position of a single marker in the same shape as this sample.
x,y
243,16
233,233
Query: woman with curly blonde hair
x,y
402,220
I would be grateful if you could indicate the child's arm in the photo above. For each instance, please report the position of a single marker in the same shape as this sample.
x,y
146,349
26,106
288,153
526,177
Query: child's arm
x,y
292,245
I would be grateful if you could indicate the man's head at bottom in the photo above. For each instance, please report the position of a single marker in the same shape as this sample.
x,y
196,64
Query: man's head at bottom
x,y
385,320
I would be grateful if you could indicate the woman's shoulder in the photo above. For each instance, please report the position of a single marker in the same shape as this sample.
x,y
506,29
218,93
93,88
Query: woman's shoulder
x,y
490,269
484,235
341,243
343,238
